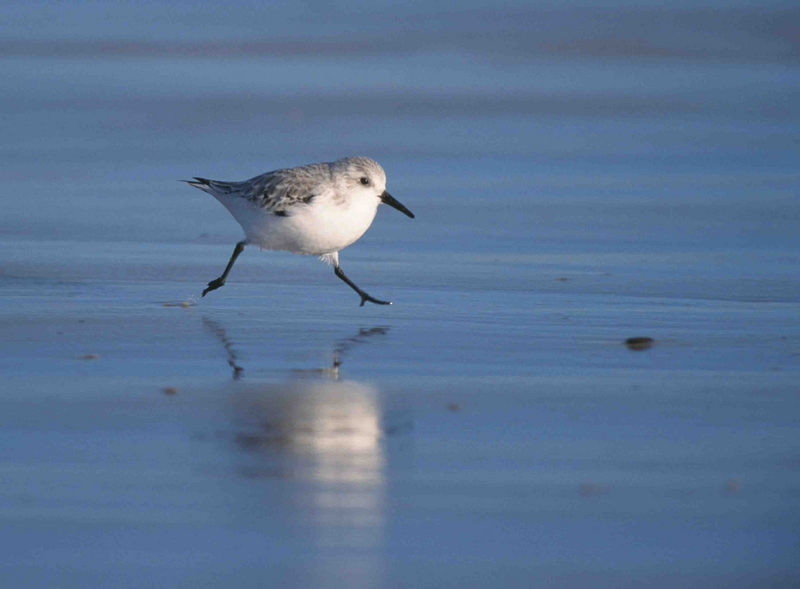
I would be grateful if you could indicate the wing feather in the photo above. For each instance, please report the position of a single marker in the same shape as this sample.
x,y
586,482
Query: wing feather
x,y
277,191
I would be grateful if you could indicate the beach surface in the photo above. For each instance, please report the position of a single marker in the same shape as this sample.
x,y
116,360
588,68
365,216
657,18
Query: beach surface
x,y
572,189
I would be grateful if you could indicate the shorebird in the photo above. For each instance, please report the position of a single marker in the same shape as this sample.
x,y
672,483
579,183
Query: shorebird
x,y
316,209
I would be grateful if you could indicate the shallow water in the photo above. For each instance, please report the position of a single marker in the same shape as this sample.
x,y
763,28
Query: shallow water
x,y
580,175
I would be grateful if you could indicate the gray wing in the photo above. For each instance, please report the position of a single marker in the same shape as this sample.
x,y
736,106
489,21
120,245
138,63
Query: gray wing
x,y
277,191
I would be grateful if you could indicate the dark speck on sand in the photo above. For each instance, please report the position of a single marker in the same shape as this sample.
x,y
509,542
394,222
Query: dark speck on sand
x,y
639,343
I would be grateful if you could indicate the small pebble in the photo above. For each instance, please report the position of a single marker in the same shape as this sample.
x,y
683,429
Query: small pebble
x,y
639,343
169,390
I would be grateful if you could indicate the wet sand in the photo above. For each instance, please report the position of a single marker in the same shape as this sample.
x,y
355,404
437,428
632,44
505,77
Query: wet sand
x,y
278,433
492,426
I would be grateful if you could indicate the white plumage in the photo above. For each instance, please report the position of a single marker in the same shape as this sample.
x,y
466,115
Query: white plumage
x,y
317,209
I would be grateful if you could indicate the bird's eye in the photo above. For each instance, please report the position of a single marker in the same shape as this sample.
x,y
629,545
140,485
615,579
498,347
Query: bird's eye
x,y
364,180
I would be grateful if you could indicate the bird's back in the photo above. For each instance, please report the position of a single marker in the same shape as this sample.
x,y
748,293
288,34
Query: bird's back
x,y
273,192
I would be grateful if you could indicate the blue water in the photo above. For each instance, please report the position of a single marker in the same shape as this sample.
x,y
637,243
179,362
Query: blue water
x,y
581,173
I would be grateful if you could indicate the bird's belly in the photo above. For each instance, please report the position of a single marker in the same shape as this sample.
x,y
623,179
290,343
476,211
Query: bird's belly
x,y
312,231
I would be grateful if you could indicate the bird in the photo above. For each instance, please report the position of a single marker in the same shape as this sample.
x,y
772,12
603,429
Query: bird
x,y
316,209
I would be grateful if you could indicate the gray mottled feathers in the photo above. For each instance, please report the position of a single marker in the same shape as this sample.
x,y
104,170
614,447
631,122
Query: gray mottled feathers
x,y
278,191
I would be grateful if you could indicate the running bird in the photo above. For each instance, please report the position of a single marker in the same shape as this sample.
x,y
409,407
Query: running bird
x,y
317,209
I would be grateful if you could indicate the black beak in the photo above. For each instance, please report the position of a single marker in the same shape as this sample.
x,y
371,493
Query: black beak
x,y
394,203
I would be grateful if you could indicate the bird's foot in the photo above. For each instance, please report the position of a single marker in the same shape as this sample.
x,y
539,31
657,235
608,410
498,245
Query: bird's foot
x,y
213,285
365,297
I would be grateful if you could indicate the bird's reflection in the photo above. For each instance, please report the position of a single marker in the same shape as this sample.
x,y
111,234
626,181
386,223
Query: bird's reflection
x,y
341,347
222,336
331,430
315,427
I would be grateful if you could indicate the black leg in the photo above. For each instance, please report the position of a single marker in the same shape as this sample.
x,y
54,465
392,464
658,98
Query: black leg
x,y
364,296
217,282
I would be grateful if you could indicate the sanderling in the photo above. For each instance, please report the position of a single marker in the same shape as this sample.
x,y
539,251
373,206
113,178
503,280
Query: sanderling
x,y
316,209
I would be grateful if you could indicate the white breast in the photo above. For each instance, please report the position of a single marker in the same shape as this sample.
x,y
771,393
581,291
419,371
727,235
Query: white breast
x,y
321,227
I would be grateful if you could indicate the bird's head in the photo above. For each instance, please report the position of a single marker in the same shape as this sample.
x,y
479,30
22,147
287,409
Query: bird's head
x,y
365,177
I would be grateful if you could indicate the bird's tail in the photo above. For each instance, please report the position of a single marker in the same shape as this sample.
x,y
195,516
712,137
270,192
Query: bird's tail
x,y
213,187
201,183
